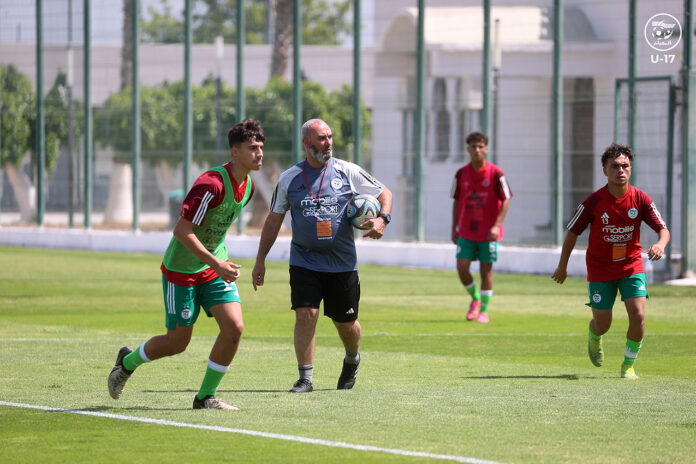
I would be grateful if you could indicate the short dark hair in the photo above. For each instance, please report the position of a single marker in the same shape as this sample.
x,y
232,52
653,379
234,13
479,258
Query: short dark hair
x,y
246,131
614,151
476,137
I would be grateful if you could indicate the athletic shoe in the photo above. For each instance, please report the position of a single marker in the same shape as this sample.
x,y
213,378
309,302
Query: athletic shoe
x,y
482,318
119,375
348,375
211,402
302,386
595,350
627,372
474,308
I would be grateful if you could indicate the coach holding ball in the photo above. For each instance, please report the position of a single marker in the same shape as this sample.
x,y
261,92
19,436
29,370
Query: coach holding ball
x,y
323,259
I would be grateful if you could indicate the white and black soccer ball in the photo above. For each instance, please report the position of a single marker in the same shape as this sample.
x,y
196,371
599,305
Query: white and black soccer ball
x,y
362,208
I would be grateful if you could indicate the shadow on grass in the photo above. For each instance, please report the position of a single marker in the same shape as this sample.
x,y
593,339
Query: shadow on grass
x,y
491,377
110,409
231,391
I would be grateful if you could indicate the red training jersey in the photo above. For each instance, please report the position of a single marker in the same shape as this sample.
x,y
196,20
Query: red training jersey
x,y
206,193
480,194
614,250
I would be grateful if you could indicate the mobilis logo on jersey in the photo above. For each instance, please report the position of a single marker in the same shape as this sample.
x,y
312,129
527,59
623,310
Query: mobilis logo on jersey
x,y
312,206
617,234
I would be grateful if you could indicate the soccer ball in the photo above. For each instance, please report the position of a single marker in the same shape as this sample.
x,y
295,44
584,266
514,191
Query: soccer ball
x,y
361,208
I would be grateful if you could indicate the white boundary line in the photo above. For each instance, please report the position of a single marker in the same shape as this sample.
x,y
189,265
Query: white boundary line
x,y
277,436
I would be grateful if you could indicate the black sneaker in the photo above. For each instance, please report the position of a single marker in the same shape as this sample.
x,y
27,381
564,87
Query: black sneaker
x,y
302,386
211,402
348,375
119,375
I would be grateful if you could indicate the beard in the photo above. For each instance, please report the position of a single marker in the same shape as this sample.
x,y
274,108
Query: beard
x,y
322,157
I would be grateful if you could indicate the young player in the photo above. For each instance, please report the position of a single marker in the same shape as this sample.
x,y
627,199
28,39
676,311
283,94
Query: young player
x,y
481,201
614,263
196,271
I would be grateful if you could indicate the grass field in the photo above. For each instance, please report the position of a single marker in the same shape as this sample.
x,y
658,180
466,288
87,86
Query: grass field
x,y
432,387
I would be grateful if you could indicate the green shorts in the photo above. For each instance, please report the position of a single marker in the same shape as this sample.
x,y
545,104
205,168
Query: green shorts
x,y
485,252
603,294
183,304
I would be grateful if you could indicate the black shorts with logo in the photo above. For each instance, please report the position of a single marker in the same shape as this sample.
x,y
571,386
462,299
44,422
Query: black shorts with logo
x,y
339,290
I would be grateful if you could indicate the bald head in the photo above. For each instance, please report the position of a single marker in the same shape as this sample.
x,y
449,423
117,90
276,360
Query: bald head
x,y
318,140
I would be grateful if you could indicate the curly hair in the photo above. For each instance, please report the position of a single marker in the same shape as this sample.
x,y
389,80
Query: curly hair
x,y
246,131
476,137
614,151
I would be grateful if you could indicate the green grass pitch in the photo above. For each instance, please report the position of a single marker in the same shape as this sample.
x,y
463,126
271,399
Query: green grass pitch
x,y
517,390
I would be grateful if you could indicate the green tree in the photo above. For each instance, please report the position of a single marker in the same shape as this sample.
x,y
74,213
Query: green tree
x,y
324,22
272,105
18,107
216,18
161,123
19,131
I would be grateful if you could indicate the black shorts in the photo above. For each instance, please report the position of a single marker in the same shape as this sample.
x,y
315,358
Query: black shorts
x,y
339,290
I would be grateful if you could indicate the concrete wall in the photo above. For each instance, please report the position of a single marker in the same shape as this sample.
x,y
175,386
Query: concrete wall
x,y
418,255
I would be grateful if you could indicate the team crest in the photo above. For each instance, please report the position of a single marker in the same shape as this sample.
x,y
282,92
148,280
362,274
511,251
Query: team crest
x,y
633,213
336,183
186,313
596,297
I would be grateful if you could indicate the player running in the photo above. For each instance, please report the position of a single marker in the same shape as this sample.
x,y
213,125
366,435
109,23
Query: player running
x,y
614,263
196,271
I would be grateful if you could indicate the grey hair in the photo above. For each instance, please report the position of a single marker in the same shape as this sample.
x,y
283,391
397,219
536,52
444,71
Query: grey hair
x,y
308,124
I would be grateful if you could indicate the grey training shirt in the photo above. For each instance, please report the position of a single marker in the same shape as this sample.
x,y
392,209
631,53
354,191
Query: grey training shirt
x,y
322,236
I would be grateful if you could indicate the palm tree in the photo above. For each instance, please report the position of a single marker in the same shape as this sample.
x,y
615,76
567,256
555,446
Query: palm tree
x,y
283,38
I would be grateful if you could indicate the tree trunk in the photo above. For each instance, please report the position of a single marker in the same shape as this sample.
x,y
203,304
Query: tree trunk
x,y
24,192
282,39
119,203
127,47
166,178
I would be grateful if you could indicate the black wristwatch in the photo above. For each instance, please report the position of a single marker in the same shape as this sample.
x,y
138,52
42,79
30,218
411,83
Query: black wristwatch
x,y
386,217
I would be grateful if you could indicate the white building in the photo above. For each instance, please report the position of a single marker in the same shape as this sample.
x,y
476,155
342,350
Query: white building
x,y
595,54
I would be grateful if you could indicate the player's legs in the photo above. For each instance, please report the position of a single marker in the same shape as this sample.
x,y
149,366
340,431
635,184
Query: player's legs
x,y
181,309
634,293
601,321
463,269
488,254
305,296
486,275
350,333
305,327
602,296
170,344
229,319
173,342
341,292
635,308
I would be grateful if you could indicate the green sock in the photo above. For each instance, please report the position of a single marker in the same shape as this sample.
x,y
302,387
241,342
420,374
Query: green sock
x,y
135,358
594,337
211,381
473,291
631,353
486,296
